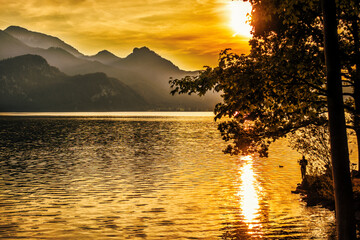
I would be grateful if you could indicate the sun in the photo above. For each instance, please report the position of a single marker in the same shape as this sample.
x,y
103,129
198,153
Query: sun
x,y
239,16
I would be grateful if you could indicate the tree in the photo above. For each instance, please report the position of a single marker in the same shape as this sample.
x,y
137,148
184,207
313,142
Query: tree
x,y
261,105
345,221
313,143
272,91
349,17
280,86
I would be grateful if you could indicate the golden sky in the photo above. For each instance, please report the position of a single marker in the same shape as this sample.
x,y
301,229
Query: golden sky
x,y
190,33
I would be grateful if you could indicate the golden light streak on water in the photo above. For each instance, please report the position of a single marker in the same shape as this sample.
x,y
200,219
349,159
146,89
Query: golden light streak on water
x,y
249,195
145,176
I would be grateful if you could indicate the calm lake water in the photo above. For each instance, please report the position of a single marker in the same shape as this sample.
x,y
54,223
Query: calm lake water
x,y
145,176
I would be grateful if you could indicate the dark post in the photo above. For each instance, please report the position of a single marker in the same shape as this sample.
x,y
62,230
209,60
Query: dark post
x,y
345,223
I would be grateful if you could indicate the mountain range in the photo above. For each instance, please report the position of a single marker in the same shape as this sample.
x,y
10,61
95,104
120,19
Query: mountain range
x,y
29,83
42,64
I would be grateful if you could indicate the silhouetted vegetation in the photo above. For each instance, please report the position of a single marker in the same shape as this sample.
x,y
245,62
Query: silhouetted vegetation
x,y
281,87
318,189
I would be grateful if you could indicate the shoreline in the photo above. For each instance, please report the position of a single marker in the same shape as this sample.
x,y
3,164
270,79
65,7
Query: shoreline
x,y
313,193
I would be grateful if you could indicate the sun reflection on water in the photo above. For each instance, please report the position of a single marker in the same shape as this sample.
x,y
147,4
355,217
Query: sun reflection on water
x,y
249,195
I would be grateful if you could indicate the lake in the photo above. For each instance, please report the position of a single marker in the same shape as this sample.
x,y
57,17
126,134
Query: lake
x,y
145,176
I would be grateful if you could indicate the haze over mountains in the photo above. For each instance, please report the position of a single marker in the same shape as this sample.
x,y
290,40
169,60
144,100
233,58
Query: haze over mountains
x,y
29,83
136,82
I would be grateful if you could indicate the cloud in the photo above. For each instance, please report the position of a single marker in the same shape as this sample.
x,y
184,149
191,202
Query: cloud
x,y
187,29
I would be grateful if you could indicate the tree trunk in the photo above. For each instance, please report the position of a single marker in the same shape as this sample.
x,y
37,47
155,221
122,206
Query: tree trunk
x,y
357,133
345,222
355,31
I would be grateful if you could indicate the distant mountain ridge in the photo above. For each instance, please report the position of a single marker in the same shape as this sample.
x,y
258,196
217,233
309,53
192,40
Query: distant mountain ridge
x,y
39,40
11,47
144,71
144,55
104,57
29,83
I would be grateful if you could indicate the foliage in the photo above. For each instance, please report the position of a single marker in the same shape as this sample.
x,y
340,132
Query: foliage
x,y
280,86
287,70
319,189
313,143
261,101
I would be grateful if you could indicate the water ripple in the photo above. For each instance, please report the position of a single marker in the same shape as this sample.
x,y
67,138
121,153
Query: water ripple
x,y
145,178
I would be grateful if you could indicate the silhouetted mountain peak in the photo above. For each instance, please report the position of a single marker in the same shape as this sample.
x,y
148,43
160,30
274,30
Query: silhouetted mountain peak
x,y
28,65
104,57
20,30
15,28
146,56
39,40
142,50
28,59
105,53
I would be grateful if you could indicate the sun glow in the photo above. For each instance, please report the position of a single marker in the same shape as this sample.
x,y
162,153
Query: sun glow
x,y
249,194
239,17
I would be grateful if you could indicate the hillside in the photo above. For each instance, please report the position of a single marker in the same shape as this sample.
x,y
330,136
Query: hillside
x,y
104,57
143,70
29,83
39,40
11,47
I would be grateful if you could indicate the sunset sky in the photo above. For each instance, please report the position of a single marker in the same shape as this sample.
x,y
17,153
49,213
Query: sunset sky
x,y
190,33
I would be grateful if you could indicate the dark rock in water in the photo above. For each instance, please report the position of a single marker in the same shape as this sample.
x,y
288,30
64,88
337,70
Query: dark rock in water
x,y
317,190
